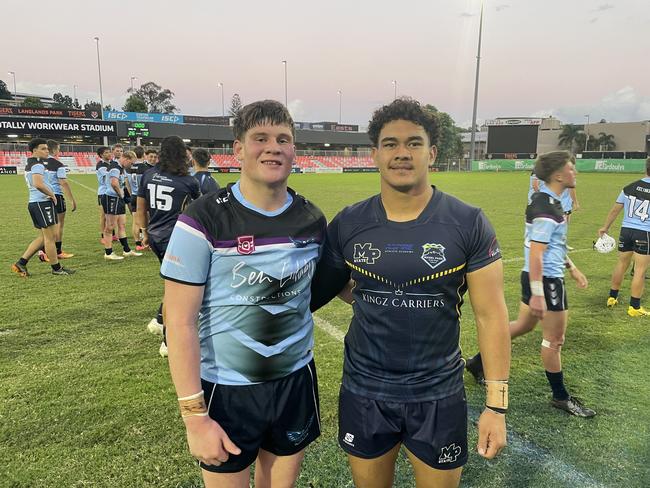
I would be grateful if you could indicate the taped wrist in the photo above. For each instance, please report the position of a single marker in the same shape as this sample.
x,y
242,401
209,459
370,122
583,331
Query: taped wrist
x,y
193,405
537,288
496,397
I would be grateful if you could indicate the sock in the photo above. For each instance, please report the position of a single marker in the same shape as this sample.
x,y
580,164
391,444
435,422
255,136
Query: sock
x,y
56,267
102,234
556,380
113,232
125,244
635,302
22,262
58,247
108,251
138,243
476,362
159,317
613,293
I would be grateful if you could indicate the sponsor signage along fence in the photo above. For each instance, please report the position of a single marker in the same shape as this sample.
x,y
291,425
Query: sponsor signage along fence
x,y
51,112
140,117
8,170
24,125
198,119
522,121
583,165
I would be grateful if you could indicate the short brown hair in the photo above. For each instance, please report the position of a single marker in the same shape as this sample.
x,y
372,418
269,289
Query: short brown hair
x,y
259,113
201,157
130,155
550,162
52,145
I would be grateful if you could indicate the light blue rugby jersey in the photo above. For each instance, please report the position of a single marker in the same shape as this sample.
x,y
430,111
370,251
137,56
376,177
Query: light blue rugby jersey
x,y
635,198
101,170
36,166
254,321
114,171
546,223
55,170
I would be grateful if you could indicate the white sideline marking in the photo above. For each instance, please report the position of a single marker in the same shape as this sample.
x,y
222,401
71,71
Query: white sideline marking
x,y
94,190
521,258
540,458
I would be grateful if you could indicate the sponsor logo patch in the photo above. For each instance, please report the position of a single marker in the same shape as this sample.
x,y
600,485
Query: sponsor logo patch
x,y
449,454
433,254
365,253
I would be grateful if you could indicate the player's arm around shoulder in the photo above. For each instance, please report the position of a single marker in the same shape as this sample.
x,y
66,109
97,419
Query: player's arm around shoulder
x,y
206,439
486,293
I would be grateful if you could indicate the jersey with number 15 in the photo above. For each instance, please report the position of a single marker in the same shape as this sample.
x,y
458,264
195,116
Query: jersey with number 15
x,y
166,197
635,198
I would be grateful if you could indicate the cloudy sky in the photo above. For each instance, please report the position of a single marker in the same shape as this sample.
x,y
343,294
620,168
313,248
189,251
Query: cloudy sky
x,y
566,58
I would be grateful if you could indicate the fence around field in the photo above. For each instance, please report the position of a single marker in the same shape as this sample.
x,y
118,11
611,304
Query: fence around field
x,y
583,165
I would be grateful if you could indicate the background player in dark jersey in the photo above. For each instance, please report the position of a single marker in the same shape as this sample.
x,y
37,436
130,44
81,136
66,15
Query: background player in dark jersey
x,y
412,252
543,293
201,159
41,206
633,241
241,261
151,158
59,182
163,193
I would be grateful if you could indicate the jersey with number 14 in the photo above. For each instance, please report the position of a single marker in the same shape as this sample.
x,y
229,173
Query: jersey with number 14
x,y
166,195
635,198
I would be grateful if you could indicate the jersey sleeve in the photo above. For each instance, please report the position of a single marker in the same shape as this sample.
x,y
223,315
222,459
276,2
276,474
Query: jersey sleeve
x,y
142,187
195,189
621,198
189,253
484,247
61,173
542,229
332,274
114,173
38,169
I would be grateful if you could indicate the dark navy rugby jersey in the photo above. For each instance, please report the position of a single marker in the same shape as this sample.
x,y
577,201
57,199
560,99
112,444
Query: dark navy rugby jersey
x,y
403,341
166,195
206,182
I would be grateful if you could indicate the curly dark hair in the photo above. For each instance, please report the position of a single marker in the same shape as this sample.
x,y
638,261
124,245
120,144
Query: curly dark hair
x,y
173,156
403,108
259,113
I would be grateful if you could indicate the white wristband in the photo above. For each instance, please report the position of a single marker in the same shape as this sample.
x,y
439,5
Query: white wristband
x,y
537,288
191,397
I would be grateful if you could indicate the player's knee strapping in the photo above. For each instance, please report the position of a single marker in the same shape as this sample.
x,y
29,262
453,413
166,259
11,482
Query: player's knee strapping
x,y
554,345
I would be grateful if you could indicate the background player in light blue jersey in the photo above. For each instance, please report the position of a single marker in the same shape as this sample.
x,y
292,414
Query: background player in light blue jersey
x,y
568,198
543,294
633,241
58,177
241,261
101,171
42,201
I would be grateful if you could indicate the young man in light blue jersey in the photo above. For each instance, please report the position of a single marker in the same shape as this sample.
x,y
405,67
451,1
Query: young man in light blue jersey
x,y
542,278
114,205
101,171
633,241
58,178
42,202
240,261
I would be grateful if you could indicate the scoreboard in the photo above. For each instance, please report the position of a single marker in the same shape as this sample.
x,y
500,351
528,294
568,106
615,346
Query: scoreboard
x,y
137,129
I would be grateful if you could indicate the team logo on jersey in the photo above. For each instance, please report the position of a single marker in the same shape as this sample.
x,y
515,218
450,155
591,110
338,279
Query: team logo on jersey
x,y
433,254
449,454
245,244
365,253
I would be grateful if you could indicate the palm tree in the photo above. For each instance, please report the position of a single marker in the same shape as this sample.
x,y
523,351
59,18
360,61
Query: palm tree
x,y
580,141
569,135
606,142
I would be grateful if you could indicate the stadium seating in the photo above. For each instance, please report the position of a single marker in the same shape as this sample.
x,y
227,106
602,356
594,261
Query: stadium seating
x,y
88,160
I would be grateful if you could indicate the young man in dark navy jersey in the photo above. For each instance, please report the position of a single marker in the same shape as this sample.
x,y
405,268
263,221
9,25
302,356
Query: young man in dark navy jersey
x,y
201,158
412,252
242,259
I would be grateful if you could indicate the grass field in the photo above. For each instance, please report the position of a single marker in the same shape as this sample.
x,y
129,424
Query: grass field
x,y
85,400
